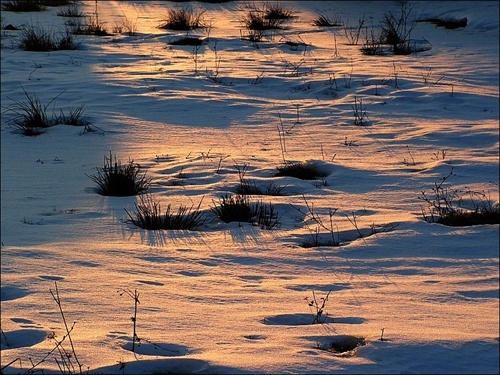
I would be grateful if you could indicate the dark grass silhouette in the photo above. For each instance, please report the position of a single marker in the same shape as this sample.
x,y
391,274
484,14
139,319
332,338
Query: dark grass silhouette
x,y
304,171
116,179
148,215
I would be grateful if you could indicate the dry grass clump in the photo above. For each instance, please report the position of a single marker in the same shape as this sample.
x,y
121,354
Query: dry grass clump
x,y
32,5
183,19
249,188
302,170
266,18
396,30
448,23
316,240
188,41
323,20
57,3
75,117
91,26
23,5
456,207
115,179
343,344
246,187
238,208
395,33
31,115
231,208
148,215
72,10
278,11
480,216
38,39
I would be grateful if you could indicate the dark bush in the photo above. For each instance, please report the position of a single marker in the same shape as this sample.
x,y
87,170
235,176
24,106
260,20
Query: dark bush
x,y
269,17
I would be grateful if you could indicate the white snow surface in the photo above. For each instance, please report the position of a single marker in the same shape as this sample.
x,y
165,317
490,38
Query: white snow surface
x,y
234,298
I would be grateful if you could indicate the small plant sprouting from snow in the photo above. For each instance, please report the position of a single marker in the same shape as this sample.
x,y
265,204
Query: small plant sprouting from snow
x,y
318,307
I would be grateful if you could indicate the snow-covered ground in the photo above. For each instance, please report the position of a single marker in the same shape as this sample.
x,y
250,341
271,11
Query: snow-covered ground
x,y
234,298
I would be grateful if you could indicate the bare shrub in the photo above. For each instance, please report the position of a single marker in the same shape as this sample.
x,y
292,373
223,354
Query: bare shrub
x,y
353,33
396,30
319,307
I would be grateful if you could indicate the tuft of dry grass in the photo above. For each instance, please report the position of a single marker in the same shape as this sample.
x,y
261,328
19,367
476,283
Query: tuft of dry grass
x,y
23,5
188,41
31,115
322,20
458,208
148,215
116,179
304,171
238,208
183,19
38,39
71,10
